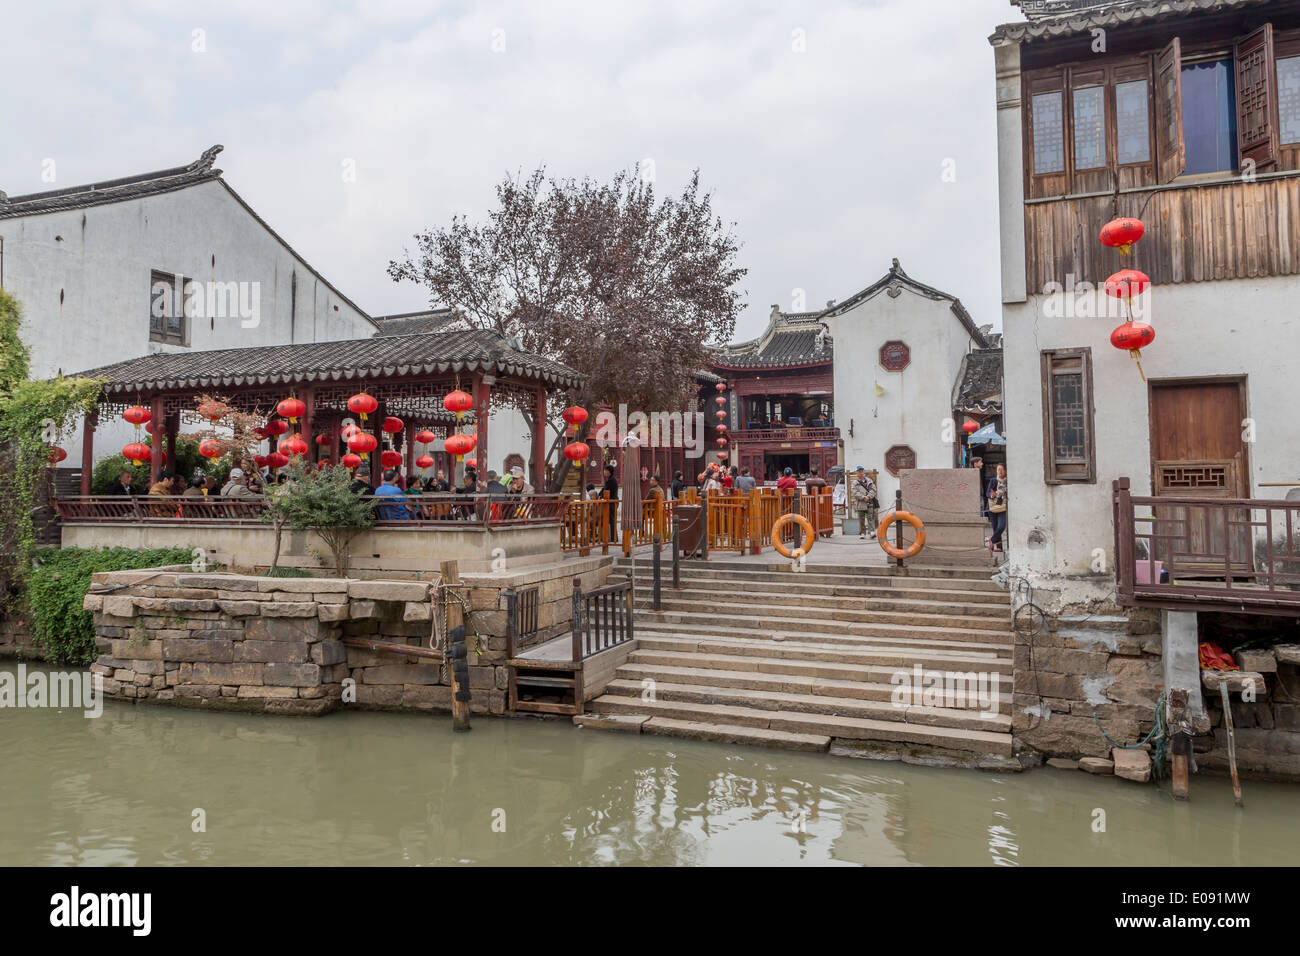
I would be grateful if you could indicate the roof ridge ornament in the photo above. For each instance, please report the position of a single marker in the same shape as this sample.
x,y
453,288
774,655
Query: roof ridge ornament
x,y
204,163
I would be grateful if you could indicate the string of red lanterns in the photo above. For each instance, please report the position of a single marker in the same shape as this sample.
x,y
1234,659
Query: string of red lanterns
x,y
1122,234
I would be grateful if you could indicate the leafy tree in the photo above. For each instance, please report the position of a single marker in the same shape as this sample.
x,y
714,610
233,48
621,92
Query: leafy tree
x,y
625,287
321,500
34,415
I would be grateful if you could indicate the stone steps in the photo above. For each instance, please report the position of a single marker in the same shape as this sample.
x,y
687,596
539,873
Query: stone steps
x,y
759,654
817,603
824,662
969,719
714,621
720,716
867,686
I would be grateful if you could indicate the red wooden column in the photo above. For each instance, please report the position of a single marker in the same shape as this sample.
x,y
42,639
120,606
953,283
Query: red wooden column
x,y
408,437
377,429
539,440
482,409
155,419
173,431
306,426
88,449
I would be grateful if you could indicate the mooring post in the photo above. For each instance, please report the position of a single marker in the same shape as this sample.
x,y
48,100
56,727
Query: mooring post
x,y
658,584
898,524
457,650
1180,743
1232,742
677,555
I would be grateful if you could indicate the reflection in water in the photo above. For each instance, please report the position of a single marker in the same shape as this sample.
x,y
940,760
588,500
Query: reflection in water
x,y
365,789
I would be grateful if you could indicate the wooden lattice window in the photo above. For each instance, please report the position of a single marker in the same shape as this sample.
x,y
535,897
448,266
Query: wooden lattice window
x,y
899,457
895,356
1068,448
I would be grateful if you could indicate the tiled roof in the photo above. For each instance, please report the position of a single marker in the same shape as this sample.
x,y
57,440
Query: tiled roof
x,y
896,279
383,355
113,190
791,339
1062,18
404,323
979,382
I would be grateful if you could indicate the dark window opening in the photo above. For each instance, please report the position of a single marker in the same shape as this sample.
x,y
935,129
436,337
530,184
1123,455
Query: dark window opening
x,y
1210,116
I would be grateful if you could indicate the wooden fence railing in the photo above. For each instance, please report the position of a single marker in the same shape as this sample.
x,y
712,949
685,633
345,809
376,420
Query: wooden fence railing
x,y
1206,554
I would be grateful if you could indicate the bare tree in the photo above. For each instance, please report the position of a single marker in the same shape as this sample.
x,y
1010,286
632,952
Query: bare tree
x,y
624,287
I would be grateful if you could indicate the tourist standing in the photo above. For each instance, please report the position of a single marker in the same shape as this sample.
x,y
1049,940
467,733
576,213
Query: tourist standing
x,y
678,485
745,482
610,488
997,499
361,481
866,501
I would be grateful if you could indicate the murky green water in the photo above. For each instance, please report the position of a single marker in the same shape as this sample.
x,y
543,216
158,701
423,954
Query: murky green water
x,y
364,788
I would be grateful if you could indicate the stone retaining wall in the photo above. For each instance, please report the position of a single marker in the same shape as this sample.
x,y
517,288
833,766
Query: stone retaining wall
x,y
275,645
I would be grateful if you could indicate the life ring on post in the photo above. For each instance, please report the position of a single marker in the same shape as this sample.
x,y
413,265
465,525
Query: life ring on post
x,y
893,550
809,534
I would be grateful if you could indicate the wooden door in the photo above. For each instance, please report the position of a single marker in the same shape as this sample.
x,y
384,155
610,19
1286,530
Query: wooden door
x,y
1197,451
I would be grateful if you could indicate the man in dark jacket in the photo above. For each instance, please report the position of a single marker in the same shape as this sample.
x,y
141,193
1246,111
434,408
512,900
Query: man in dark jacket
x,y
123,486
611,487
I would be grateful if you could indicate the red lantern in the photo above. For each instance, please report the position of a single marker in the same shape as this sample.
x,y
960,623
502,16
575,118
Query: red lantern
x,y
351,461
275,427
425,436
471,463
721,386
259,461
363,443
213,411
390,458
1127,283
292,409
137,415
576,451
424,461
137,452
260,431
721,400
460,445
210,448
720,415
720,429
721,443
294,446
458,402
348,431
362,404
393,425
1122,234
324,440
57,454
970,427
1134,336
276,460
575,415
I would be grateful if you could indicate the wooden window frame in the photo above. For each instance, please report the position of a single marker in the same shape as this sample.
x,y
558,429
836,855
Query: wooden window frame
x,y
1052,469
1286,46
177,285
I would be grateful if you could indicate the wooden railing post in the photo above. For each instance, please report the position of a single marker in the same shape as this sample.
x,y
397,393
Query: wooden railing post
x,y
704,529
677,551
1125,549
898,525
605,511
579,624
512,620
656,560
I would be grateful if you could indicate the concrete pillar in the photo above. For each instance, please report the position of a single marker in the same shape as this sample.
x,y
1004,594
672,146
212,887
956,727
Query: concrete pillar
x,y
1180,655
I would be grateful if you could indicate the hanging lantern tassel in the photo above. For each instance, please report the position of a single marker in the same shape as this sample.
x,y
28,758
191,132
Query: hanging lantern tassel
x,y
1133,337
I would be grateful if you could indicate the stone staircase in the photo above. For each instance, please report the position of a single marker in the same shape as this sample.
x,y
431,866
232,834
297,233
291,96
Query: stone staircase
x,y
756,653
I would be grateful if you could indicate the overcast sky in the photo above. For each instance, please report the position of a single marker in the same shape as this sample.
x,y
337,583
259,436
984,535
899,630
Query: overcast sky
x,y
824,129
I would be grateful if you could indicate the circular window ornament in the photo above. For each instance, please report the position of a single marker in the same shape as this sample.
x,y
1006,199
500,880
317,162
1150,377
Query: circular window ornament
x,y
899,457
895,356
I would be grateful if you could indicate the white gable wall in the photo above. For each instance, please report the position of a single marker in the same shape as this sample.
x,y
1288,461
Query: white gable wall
x,y
916,406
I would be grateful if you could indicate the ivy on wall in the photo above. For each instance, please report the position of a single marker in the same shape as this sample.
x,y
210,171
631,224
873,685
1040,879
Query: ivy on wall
x,y
34,416
58,581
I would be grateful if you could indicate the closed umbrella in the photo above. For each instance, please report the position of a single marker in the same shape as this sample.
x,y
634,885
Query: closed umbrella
x,y
630,489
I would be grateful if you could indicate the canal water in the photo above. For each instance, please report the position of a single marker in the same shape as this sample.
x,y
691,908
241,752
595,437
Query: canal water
x,y
369,788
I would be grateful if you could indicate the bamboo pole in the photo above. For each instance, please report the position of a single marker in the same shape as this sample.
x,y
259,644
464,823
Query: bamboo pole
x,y
1232,742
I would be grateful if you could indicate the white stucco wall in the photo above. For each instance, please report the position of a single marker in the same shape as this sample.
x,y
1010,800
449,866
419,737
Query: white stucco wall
x,y
916,404
1202,329
100,260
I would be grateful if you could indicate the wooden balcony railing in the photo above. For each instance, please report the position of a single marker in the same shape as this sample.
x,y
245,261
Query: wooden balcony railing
x,y
1206,554
491,511
786,433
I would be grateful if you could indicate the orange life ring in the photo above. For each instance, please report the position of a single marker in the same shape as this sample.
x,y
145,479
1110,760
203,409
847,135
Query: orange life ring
x,y
809,534
893,550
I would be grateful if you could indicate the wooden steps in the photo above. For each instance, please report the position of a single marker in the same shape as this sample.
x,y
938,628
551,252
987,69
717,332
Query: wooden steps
x,y
757,654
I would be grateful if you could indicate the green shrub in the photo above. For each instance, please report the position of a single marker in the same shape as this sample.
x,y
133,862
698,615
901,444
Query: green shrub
x,y
282,572
58,583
